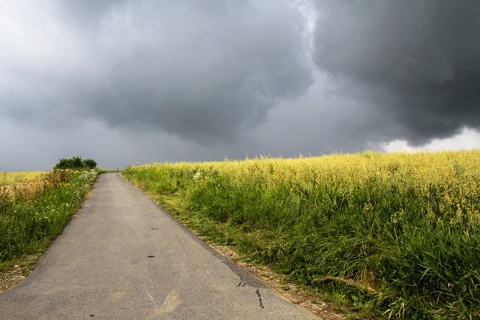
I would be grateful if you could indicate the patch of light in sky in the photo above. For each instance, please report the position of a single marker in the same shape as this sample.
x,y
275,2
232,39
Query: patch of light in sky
x,y
468,139
308,11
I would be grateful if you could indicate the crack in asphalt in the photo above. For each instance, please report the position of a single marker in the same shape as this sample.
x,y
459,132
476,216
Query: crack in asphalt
x,y
260,299
243,284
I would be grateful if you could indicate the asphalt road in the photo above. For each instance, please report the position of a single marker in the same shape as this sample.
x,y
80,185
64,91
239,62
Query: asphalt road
x,y
123,257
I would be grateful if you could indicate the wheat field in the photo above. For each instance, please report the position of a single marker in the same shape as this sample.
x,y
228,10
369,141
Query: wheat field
x,y
12,177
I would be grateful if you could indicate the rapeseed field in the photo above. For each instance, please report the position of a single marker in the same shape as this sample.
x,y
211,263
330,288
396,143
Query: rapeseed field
x,y
396,235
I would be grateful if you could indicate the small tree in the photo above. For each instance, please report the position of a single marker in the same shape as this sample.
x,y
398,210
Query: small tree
x,y
75,163
89,164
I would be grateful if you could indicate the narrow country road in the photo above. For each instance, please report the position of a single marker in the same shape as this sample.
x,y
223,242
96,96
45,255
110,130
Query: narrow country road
x,y
123,257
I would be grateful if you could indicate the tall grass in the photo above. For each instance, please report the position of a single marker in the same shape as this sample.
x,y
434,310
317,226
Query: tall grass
x,y
35,212
398,234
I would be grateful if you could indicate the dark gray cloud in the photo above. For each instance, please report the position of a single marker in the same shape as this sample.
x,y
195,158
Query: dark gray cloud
x,y
202,70
416,61
129,81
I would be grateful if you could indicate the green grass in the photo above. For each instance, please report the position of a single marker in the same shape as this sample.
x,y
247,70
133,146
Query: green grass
x,y
33,216
386,236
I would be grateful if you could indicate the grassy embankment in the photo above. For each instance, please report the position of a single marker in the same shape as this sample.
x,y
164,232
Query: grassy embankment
x,y
387,235
34,212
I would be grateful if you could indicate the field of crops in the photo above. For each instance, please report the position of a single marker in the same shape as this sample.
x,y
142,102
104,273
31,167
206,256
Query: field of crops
x,y
394,235
13,177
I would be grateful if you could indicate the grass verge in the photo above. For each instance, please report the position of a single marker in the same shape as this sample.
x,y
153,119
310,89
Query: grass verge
x,y
32,215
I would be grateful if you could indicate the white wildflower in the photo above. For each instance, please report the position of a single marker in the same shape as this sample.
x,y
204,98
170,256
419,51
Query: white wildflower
x,y
197,176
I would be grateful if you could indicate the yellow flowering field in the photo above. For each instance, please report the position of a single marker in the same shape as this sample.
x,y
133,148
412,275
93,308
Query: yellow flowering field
x,y
402,226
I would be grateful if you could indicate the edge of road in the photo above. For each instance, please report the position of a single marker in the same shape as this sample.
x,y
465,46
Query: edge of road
x,y
253,274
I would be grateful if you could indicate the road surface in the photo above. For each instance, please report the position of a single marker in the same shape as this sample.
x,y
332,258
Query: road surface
x,y
123,257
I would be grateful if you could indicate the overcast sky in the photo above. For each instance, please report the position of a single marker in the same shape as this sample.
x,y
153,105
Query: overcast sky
x,y
133,81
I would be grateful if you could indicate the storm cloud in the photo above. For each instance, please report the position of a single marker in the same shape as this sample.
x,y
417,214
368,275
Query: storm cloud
x,y
415,61
129,81
202,70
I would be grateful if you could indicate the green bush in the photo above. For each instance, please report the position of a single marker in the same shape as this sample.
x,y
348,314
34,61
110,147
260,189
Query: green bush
x,y
75,163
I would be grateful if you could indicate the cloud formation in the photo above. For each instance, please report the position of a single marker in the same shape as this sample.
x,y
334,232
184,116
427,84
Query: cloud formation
x,y
415,61
125,81
204,71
